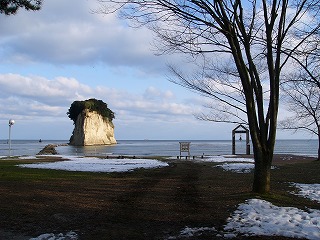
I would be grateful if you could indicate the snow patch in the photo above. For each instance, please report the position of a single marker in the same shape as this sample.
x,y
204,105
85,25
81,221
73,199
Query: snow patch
x,y
27,157
97,164
219,159
234,164
191,232
50,236
311,191
259,217
237,167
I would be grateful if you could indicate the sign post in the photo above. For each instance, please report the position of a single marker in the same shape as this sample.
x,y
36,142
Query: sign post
x,y
184,147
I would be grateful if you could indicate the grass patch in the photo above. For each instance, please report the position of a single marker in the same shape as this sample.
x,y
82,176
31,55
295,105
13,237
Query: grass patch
x,y
141,204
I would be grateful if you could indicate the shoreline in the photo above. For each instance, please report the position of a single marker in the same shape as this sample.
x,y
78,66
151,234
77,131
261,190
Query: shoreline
x,y
282,159
158,148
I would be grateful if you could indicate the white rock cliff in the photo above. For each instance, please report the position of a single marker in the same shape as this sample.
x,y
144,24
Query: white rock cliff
x,y
92,129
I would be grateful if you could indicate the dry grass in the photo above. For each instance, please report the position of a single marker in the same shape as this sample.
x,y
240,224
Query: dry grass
x,y
143,204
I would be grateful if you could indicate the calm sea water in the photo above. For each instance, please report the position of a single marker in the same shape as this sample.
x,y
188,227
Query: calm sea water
x,y
155,147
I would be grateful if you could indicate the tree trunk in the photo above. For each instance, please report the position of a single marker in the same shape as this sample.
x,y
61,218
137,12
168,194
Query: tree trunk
x,y
261,181
318,146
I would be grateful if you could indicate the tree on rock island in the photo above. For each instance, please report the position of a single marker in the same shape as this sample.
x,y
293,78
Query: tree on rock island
x,y
242,45
92,105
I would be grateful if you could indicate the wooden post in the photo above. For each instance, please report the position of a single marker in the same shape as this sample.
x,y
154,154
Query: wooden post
x,y
233,142
247,143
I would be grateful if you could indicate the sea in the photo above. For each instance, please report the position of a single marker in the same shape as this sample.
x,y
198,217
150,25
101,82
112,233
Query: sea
x,y
307,147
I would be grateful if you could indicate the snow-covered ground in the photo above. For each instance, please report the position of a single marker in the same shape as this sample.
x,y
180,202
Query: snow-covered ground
x,y
254,217
311,191
89,164
27,157
259,217
225,158
50,236
237,167
231,163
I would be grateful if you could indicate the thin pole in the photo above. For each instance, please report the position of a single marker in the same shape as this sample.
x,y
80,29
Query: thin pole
x,y
9,140
11,122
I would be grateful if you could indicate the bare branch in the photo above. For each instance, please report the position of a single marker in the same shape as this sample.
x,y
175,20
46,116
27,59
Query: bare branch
x,y
258,37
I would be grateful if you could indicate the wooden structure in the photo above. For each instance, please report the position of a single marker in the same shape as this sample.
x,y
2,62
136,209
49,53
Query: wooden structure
x,y
185,147
240,129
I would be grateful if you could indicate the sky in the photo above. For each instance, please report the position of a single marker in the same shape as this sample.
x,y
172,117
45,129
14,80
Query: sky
x,y
66,52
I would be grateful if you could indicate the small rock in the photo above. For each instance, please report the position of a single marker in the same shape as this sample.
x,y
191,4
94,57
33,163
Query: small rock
x,y
49,149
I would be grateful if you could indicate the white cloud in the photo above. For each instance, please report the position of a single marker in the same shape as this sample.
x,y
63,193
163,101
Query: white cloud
x,y
55,34
38,96
39,106
55,91
153,93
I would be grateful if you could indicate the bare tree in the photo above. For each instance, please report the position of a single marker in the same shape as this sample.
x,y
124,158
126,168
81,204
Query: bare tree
x,y
220,82
303,100
251,34
302,92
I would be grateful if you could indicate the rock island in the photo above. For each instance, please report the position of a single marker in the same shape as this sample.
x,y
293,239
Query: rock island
x,y
92,121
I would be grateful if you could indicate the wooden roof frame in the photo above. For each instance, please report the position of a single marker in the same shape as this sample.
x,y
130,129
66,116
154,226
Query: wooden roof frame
x,y
240,129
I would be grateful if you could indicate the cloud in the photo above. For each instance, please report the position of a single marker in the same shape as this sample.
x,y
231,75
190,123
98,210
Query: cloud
x,y
29,96
39,106
55,91
153,93
70,33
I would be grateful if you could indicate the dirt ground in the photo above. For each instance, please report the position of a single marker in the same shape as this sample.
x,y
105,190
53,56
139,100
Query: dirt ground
x,y
142,204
